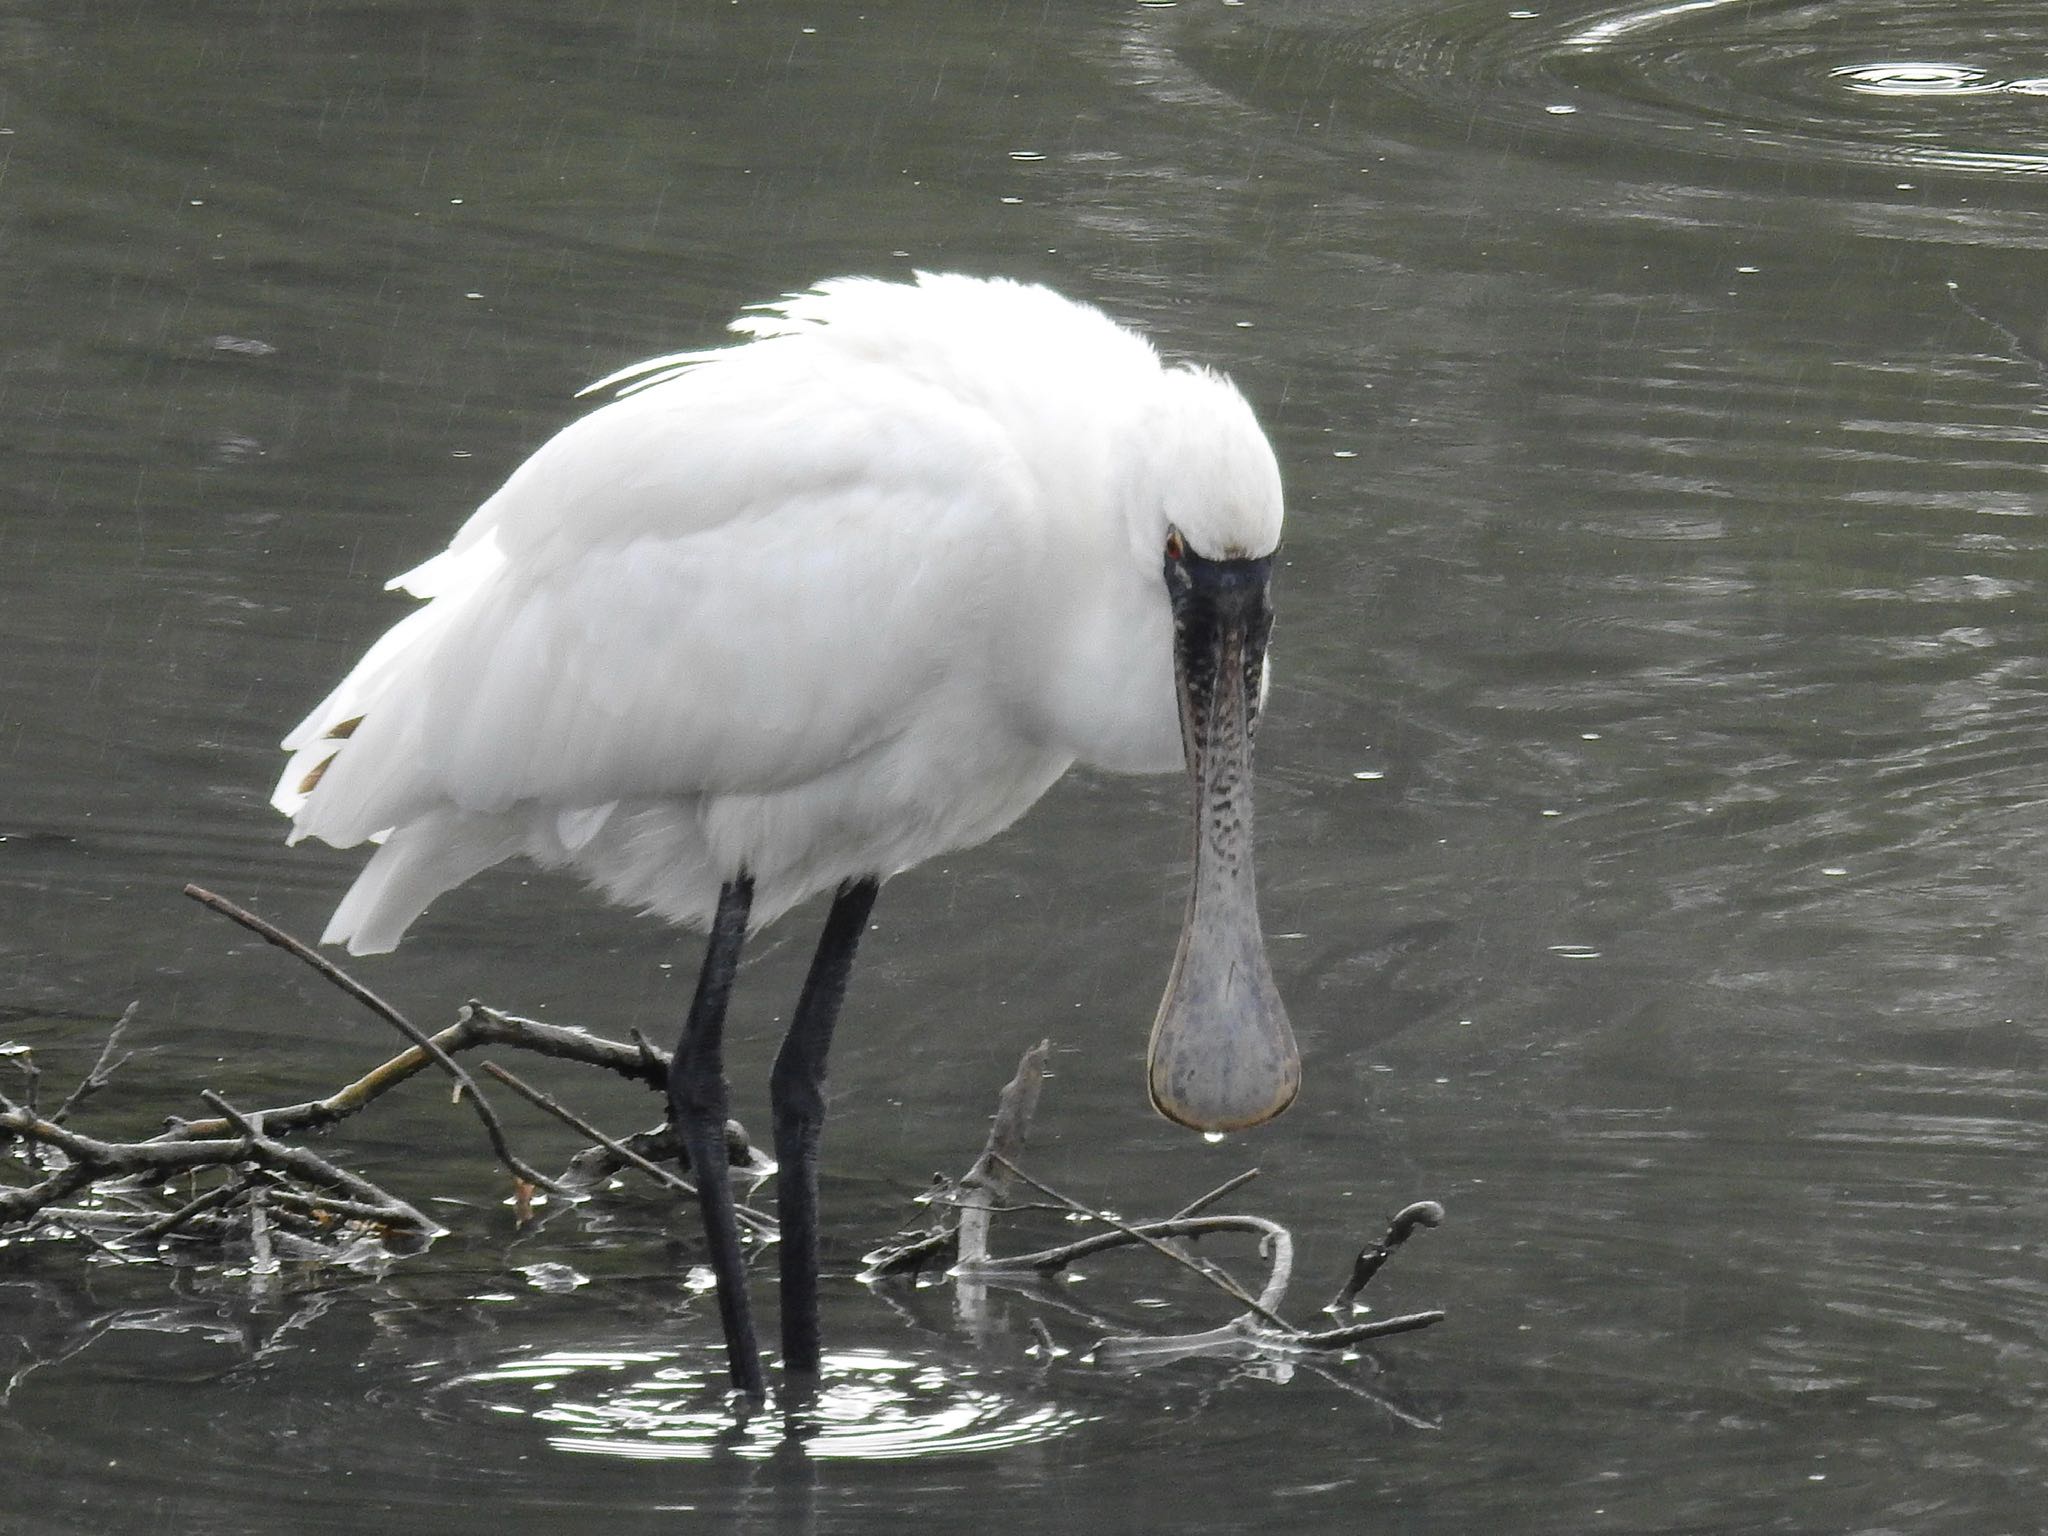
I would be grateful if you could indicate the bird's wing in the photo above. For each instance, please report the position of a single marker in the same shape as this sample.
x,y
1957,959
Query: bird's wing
x,y
733,580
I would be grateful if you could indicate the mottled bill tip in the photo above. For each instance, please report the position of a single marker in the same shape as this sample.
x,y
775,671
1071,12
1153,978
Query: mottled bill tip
x,y
1223,1056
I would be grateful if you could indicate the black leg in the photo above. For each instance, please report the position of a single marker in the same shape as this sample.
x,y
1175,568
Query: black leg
x,y
697,1104
797,1094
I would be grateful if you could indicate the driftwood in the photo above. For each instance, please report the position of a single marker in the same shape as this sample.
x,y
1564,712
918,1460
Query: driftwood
x,y
234,1184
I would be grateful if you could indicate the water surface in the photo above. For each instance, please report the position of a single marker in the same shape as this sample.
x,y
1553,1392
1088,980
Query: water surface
x,y
1650,815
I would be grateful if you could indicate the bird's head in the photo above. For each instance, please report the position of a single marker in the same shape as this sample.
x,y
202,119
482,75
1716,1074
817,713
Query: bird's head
x,y
1222,1054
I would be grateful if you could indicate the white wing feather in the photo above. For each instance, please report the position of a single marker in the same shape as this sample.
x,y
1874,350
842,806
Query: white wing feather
x,y
663,637
761,566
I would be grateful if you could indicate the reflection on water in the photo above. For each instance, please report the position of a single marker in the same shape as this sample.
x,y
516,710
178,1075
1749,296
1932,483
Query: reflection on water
x,y
1932,80
872,1407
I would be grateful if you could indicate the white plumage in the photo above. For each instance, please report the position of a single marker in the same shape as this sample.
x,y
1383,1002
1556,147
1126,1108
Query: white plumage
x,y
799,613
816,606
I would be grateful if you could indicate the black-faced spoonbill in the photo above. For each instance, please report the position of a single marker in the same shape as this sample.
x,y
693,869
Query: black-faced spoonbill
x,y
795,614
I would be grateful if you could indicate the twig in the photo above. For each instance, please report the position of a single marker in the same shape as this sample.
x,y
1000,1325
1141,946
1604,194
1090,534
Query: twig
x,y
101,1073
988,1180
1203,1202
325,1209
23,1059
960,1238
639,1062
2019,344
653,1060
1337,1338
262,1260
465,1084
219,1195
1043,1336
1423,1213
625,1154
19,1204
94,1240
908,1252
1046,1260
313,1167
475,1025
1209,1273
92,1159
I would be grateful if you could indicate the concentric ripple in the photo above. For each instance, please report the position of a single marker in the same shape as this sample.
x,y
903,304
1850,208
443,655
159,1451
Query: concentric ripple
x,y
1912,85
643,1406
1933,80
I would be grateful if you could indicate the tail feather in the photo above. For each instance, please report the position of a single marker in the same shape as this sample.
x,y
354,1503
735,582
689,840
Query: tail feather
x,y
389,670
418,862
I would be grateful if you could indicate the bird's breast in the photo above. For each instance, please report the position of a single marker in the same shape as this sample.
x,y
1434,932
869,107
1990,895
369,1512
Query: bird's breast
x,y
1105,689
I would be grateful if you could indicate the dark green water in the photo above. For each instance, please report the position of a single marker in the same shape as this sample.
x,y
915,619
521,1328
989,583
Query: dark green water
x,y
1652,783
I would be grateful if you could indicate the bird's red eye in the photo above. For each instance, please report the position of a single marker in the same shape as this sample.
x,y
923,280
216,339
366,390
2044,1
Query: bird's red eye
x,y
1174,547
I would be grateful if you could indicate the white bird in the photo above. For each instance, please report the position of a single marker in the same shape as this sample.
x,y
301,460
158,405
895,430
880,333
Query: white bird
x,y
796,614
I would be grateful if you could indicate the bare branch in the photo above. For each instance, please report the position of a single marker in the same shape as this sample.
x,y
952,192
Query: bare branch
x,y
1048,1260
23,1060
240,1182
465,1084
475,1025
310,1166
1339,1338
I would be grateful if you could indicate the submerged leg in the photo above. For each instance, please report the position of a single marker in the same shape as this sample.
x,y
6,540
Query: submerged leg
x,y
697,1105
797,1094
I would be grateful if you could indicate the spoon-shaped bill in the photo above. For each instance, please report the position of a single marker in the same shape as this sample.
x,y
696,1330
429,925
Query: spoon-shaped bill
x,y
1222,1055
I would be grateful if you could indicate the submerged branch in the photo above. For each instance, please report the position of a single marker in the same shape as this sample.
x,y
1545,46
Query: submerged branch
x,y
1423,1213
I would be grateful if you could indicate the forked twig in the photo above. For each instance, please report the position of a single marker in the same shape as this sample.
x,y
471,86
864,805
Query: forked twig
x,y
101,1071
